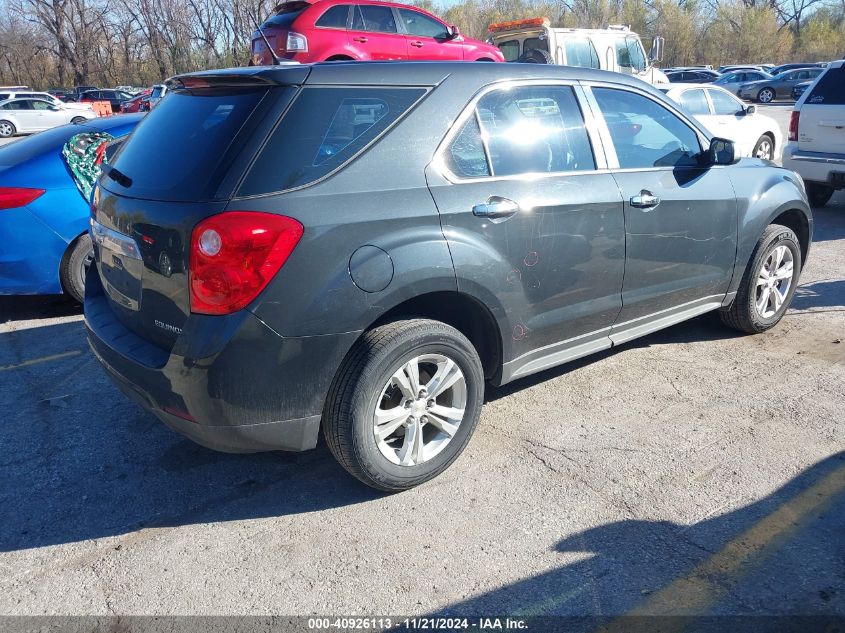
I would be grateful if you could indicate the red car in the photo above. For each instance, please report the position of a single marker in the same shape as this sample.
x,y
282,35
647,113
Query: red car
x,y
138,103
338,30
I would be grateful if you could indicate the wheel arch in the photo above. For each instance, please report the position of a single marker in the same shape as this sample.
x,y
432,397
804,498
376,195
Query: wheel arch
x,y
465,313
798,221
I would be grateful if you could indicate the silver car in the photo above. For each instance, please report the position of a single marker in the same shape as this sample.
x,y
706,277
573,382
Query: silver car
x,y
732,80
34,115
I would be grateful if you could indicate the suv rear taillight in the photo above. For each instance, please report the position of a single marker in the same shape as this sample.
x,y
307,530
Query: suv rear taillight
x,y
14,197
297,43
234,255
793,125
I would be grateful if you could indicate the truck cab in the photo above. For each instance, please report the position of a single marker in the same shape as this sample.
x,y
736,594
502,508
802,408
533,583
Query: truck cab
x,y
615,48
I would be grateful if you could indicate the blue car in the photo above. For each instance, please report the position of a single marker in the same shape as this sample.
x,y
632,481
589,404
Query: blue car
x,y
45,185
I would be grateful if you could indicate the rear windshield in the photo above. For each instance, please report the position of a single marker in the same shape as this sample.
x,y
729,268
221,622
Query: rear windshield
x,y
286,14
322,131
186,146
830,90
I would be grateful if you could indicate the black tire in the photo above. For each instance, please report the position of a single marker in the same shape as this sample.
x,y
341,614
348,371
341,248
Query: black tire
x,y
7,129
818,194
74,266
762,143
350,407
78,119
742,314
536,56
766,95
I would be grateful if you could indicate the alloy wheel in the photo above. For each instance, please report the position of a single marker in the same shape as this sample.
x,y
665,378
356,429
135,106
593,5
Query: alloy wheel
x,y
420,409
6,130
774,281
764,149
766,96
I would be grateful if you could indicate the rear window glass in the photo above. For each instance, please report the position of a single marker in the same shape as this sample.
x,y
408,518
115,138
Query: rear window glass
x,y
830,89
510,50
324,129
286,15
185,146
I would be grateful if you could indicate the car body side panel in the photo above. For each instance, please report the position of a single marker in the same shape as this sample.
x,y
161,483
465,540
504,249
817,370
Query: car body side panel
x,y
762,195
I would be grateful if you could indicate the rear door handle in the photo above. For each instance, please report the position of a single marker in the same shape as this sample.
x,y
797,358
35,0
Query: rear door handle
x,y
645,200
417,44
360,38
495,208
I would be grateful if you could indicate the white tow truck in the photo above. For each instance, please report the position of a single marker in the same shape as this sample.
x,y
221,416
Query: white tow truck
x,y
615,48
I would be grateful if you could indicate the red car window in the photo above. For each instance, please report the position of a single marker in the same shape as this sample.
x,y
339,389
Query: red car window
x,y
372,18
335,17
418,24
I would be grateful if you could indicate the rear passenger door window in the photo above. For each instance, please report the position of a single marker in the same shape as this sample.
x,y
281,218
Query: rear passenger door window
x,y
526,130
375,19
644,133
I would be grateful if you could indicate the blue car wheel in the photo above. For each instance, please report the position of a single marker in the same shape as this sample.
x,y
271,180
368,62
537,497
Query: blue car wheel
x,y
74,267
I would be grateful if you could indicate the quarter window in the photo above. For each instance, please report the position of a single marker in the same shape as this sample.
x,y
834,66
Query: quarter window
x,y
334,18
368,17
530,129
644,133
421,25
695,102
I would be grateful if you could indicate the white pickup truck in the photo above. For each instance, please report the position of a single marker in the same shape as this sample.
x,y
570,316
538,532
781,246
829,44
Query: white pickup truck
x,y
615,48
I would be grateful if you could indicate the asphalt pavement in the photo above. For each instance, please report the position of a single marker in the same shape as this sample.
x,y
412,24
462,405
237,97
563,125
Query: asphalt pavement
x,y
695,470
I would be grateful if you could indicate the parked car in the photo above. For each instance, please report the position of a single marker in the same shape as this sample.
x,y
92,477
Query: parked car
x,y
157,94
777,70
78,91
693,76
733,80
778,87
816,147
45,186
23,116
740,67
138,103
43,96
537,214
335,30
753,134
115,97
798,89
64,96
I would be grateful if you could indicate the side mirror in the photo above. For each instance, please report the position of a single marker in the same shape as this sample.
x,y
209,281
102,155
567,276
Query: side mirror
x,y
721,152
656,53
751,109
454,32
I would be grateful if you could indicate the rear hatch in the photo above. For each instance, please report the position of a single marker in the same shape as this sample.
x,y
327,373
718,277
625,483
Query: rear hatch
x,y
275,30
821,125
181,165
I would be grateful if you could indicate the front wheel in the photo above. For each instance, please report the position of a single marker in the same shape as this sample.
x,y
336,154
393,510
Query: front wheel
x,y
404,404
818,195
78,119
764,148
766,95
768,284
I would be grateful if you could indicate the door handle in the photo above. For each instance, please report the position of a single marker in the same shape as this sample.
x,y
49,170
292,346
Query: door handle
x,y
645,200
360,38
495,208
417,44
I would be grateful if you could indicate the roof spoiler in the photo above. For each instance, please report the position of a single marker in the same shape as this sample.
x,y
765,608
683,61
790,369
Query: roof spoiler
x,y
284,74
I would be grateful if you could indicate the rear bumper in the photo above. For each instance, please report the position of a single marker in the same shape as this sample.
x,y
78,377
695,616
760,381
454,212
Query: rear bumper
x,y
248,390
815,166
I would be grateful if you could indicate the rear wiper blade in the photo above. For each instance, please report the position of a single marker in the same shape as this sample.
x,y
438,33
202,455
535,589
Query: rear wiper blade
x,y
118,176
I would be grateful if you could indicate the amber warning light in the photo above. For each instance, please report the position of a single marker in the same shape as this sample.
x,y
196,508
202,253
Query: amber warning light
x,y
513,25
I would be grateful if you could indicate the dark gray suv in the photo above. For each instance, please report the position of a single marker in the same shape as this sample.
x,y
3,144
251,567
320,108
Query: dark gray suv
x,y
358,247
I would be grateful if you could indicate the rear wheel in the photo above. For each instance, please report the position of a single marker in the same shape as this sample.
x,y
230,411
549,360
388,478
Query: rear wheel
x,y
7,129
768,283
819,195
74,267
764,148
766,95
404,404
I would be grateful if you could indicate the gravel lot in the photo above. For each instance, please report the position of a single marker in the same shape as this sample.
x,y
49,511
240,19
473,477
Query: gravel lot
x,y
692,471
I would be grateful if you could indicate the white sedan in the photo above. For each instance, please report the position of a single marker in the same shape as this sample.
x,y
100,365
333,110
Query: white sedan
x,y
19,116
754,134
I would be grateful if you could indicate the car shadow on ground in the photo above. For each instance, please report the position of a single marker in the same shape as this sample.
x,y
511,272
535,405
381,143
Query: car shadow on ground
x,y
21,308
829,221
80,461
783,554
826,293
